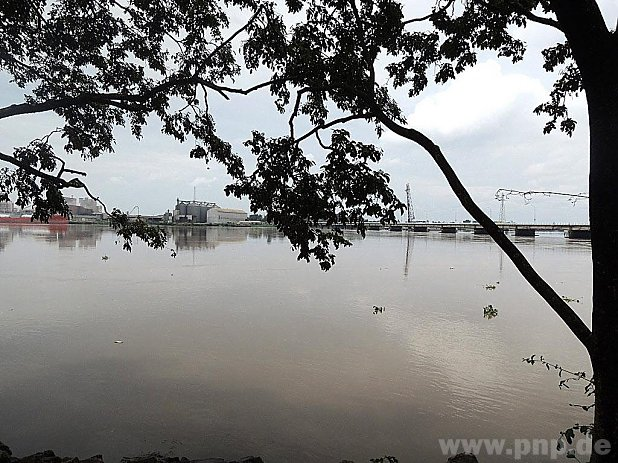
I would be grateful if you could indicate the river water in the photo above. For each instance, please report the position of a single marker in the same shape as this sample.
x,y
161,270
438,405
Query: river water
x,y
233,348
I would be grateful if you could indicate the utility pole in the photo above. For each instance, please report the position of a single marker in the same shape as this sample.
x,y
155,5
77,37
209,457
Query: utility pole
x,y
409,204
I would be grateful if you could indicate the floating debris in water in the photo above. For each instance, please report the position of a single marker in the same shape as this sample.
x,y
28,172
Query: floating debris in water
x,y
378,309
172,253
105,257
490,312
490,287
567,299
119,341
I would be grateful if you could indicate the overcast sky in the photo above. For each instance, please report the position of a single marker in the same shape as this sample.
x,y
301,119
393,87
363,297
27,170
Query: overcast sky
x,y
483,121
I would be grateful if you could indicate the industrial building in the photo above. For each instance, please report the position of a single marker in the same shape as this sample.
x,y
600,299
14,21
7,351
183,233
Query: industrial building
x,y
202,212
6,206
83,207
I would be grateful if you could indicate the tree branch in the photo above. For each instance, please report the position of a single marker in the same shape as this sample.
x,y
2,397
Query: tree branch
x,y
247,91
64,169
295,110
57,180
233,36
119,99
524,11
563,310
320,142
540,19
83,186
430,15
62,183
326,125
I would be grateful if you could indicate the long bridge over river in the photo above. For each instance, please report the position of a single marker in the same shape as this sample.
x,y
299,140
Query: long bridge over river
x,y
576,231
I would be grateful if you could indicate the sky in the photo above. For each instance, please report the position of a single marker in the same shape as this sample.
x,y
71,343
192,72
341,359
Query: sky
x,y
483,122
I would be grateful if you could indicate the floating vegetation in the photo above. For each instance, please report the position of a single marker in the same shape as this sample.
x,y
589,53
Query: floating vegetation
x,y
378,309
490,312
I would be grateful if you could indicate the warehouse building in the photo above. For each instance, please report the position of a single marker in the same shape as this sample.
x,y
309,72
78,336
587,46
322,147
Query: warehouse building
x,y
219,215
202,212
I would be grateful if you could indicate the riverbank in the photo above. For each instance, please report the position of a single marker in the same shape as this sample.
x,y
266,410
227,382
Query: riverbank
x,y
49,456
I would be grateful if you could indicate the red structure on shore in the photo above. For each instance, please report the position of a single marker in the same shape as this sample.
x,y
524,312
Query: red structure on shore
x,y
26,219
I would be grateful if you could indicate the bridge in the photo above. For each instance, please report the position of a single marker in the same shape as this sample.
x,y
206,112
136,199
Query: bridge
x,y
575,231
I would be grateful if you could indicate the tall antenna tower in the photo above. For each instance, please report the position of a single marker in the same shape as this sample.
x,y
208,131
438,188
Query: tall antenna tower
x,y
409,204
502,199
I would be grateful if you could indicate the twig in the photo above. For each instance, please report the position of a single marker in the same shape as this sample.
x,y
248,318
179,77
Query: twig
x,y
326,147
589,388
85,188
233,36
295,110
64,169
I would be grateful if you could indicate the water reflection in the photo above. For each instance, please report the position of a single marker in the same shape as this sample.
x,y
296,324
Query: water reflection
x,y
67,236
79,236
199,238
410,242
87,236
6,236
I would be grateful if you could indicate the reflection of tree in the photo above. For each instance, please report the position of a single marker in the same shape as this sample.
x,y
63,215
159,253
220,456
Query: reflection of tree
x,y
191,238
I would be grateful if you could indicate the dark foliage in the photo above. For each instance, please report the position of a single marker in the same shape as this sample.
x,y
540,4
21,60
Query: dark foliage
x,y
103,64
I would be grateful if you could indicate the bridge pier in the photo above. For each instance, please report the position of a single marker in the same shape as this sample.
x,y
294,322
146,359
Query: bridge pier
x,y
583,234
519,232
479,231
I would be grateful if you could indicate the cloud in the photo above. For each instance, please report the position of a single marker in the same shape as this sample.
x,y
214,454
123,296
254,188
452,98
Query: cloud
x,y
479,97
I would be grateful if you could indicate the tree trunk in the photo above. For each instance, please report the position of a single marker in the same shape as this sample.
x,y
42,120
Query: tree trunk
x,y
602,103
594,49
